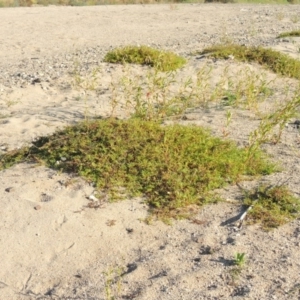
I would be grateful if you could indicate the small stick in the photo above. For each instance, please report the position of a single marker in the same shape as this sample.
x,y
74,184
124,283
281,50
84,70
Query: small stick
x,y
93,198
241,219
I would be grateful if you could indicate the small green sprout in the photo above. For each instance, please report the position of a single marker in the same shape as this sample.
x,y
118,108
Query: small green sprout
x,y
239,259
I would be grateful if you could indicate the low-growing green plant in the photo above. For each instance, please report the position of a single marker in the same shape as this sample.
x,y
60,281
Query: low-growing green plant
x,y
235,272
239,259
272,206
143,55
229,99
277,62
172,166
294,33
228,117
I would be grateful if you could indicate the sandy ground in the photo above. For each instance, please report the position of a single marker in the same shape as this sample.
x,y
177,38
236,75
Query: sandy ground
x,y
52,245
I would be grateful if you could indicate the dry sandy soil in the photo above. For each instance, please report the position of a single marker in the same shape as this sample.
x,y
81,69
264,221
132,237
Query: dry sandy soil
x,y
52,245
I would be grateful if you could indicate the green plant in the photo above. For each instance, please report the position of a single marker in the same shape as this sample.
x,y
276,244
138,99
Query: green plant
x,y
161,60
229,99
235,272
277,119
294,33
271,59
155,96
113,284
161,96
272,206
225,131
239,259
83,80
172,166
247,89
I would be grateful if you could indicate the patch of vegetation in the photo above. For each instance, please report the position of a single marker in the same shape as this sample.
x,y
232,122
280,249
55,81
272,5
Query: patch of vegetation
x,y
143,55
294,33
277,62
272,206
173,166
272,125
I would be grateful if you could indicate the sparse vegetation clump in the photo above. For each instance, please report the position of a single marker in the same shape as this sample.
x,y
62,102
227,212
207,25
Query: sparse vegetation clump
x,y
143,55
277,62
294,33
272,206
173,166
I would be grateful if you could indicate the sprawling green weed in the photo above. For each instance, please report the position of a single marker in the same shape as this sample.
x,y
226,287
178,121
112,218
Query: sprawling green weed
x,y
272,206
173,166
271,59
143,55
294,33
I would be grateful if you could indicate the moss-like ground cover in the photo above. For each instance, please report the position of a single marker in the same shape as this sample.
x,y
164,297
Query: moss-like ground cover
x,y
277,62
143,55
272,206
173,166
294,33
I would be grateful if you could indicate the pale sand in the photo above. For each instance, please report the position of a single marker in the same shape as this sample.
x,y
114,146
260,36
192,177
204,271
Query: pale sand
x,y
52,246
